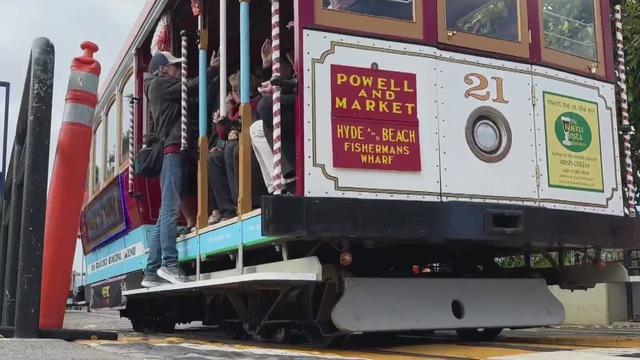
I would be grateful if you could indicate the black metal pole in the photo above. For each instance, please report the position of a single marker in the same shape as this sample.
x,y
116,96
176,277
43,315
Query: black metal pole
x,y
35,191
15,205
4,201
4,234
13,238
7,87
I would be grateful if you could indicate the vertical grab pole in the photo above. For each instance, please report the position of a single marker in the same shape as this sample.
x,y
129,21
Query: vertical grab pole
x,y
627,129
244,187
223,54
184,114
132,112
203,144
35,195
277,117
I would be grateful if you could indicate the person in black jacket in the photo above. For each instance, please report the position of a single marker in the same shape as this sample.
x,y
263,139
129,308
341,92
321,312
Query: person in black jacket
x,y
163,89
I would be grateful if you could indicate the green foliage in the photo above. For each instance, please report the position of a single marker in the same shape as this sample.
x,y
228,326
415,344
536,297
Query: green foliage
x,y
569,27
496,19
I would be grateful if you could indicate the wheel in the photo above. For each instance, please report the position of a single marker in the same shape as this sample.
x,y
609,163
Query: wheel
x,y
227,319
232,330
486,334
320,340
278,335
166,326
138,325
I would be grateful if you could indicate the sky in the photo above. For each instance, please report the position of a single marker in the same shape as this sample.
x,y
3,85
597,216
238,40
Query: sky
x,y
67,23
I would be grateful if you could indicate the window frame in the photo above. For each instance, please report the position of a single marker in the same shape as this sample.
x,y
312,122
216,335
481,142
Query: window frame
x,y
368,23
97,187
113,101
519,49
129,75
565,60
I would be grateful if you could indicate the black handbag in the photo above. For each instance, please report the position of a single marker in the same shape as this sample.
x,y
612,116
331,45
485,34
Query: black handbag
x,y
148,161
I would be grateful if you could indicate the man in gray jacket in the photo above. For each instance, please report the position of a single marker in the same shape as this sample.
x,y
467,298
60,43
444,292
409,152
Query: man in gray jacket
x,y
163,90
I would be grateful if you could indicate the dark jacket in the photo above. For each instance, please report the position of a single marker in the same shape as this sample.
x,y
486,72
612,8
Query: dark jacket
x,y
165,95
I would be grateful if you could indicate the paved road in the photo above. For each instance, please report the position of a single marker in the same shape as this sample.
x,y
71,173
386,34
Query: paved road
x,y
196,342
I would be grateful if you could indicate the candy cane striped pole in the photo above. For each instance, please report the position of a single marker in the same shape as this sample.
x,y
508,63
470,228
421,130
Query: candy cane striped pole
x,y
277,141
183,143
627,130
132,102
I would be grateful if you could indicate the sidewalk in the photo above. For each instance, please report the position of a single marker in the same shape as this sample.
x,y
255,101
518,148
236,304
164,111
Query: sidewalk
x,y
22,349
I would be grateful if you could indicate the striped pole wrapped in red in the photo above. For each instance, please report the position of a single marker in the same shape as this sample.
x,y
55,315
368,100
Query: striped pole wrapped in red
x,y
277,114
627,129
184,119
132,104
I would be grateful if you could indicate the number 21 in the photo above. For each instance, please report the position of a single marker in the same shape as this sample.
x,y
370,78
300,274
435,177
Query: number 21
x,y
480,92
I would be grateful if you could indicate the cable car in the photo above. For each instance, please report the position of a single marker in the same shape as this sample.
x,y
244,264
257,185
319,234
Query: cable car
x,y
432,141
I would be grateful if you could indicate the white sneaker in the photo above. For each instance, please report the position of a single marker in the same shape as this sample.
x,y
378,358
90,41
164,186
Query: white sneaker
x,y
172,274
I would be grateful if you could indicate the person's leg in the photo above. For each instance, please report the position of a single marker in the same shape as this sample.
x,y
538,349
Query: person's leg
x,y
154,261
220,184
265,111
288,136
214,209
231,161
263,152
189,211
170,187
188,206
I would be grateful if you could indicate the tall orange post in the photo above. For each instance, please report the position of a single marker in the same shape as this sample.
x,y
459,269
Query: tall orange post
x,y
66,191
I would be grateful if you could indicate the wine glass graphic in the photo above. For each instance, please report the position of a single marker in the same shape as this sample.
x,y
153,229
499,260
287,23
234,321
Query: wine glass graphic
x,y
566,126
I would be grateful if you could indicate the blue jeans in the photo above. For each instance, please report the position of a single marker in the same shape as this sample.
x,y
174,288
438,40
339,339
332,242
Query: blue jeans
x,y
162,245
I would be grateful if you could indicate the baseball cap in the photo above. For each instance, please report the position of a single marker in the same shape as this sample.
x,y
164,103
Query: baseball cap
x,y
162,58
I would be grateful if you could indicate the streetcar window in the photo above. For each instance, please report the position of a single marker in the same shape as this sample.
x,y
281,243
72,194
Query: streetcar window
x,y
569,27
111,124
98,156
396,18
394,9
487,25
127,92
497,19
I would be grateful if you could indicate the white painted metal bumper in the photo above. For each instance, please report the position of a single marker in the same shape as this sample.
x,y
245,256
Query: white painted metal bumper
x,y
379,304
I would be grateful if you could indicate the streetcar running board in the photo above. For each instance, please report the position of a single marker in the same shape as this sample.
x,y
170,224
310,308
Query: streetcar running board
x,y
282,273
384,304
267,278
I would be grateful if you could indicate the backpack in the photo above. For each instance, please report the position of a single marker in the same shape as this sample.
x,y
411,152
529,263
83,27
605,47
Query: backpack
x,y
148,161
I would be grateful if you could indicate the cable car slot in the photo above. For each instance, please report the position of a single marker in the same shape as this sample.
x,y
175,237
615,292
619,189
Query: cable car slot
x,y
504,221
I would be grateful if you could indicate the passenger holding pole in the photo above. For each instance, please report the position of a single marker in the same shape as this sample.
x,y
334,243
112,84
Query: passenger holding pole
x,y
163,89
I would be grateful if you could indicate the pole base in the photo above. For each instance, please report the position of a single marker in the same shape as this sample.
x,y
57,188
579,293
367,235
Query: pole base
x,y
65,334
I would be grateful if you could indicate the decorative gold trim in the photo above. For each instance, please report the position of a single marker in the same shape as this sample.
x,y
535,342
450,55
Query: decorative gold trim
x,y
335,180
372,24
472,41
574,62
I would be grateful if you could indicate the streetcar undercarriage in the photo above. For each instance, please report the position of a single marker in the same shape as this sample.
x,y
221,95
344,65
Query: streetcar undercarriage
x,y
385,284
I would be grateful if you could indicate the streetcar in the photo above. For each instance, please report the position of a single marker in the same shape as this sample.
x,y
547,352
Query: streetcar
x,y
433,140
